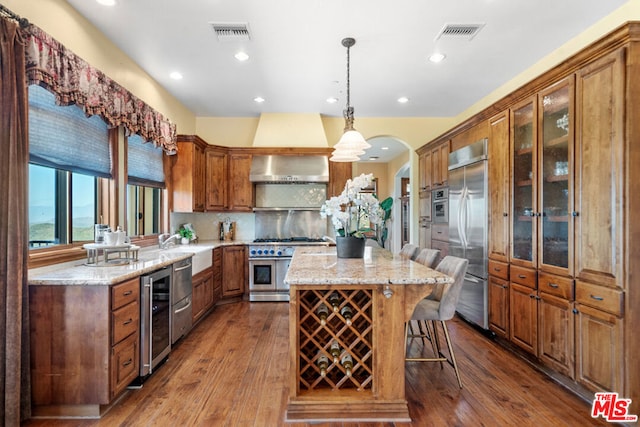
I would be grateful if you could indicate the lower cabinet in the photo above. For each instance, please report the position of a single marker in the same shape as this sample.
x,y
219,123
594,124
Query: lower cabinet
x,y
234,270
217,274
202,296
499,306
524,316
556,333
84,346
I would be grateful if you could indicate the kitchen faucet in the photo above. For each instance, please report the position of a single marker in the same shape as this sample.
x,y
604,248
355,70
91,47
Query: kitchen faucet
x,y
165,238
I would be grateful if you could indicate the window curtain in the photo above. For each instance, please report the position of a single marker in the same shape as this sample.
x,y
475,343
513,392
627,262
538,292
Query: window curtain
x,y
144,164
14,304
73,81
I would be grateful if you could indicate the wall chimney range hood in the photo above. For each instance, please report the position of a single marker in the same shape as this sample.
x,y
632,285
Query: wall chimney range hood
x,y
289,169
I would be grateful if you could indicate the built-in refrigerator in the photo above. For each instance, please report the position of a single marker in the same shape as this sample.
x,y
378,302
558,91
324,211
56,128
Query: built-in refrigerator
x,y
468,224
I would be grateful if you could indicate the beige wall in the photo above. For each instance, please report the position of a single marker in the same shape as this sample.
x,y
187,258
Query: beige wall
x,y
61,21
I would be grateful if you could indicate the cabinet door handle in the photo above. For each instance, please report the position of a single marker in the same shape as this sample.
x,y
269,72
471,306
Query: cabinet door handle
x,y
553,285
597,298
128,362
127,293
522,276
496,269
575,213
504,286
126,322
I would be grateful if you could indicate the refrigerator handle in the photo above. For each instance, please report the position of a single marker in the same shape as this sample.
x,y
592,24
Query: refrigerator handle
x,y
462,215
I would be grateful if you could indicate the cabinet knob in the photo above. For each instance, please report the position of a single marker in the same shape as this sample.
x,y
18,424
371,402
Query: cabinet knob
x,y
553,285
574,213
505,214
597,298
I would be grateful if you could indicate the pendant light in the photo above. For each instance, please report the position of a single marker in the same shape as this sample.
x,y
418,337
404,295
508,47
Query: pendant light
x,y
352,144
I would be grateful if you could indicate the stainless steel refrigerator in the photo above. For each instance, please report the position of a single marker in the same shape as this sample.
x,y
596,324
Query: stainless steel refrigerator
x,y
468,227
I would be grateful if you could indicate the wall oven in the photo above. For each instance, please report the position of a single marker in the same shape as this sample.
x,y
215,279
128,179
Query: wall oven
x,y
155,319
440,201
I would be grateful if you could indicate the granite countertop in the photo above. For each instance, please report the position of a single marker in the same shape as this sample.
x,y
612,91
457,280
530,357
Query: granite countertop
x,y
321,266
149,259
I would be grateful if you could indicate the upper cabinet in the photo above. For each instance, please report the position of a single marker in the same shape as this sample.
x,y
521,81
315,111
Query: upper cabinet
x,y
542,161
240,188
498,181
188,173
440,165
425,171
339,173
216,179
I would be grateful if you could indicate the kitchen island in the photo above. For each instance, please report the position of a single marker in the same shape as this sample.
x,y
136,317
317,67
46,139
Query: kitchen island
x,y
346,329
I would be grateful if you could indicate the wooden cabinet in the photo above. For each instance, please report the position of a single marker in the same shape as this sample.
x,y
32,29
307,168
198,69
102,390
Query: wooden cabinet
x,y
424,171
498,296
240,188
424,234
202,295
217,275
188,172
234,270
523,307
216,179
599,351
68,376
498,182
339,173
440,165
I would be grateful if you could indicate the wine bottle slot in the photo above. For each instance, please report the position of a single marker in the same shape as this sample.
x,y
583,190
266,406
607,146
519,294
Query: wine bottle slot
x,y
347,364
323,313
334,300
323,363
347,313
335,350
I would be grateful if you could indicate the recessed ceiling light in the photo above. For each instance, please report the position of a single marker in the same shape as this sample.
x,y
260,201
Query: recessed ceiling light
x,y
384,148
332,100
373,157
107,2
258,99
176,75
241,56
403,100
437,57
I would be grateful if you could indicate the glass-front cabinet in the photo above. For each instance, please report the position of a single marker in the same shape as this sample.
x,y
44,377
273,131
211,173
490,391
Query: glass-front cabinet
x,y
523,145
556,177
542,162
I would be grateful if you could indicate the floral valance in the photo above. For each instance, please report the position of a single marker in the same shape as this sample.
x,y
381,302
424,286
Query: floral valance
x,y
74,81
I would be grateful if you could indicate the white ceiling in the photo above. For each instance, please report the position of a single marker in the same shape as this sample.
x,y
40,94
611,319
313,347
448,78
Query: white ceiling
x,y
296,60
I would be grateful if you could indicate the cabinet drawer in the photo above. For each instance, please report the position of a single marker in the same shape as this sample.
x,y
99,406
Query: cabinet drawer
x,y
600,297
555,285
124,364
499,269
523,276
124,322
440,232
125,293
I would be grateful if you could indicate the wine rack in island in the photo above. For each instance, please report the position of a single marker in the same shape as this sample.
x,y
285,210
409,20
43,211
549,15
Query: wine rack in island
x,y
335,331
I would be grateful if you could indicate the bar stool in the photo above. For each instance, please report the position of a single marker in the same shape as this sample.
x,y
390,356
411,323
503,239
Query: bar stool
x,y
427,257
409,251
440,306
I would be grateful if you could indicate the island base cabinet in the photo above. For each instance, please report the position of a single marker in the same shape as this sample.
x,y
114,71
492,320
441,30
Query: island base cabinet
x,y
370,386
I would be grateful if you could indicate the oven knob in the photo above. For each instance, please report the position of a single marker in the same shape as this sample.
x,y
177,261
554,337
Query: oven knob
x,y
259,251
253,251
279,253
271,251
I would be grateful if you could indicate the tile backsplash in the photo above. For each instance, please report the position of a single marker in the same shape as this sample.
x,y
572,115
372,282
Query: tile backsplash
x,y
207,225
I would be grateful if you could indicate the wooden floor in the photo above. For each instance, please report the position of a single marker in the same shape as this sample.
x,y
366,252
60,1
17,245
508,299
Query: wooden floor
x,y
232,370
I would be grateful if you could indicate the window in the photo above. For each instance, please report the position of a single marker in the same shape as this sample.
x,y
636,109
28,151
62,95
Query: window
x,y
68,155
144,207
62,206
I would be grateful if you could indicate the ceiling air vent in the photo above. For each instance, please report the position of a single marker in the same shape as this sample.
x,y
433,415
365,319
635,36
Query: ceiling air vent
x,y
466,31
226,31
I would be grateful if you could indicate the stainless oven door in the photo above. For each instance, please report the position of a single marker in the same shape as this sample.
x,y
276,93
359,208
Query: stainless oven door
x,y
440,211
262,275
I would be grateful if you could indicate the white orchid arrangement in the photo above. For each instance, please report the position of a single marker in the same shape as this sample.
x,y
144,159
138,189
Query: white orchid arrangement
x,y
352,212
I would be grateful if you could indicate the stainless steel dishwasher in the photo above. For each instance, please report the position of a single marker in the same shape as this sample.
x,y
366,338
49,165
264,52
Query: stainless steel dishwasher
x,y
181,309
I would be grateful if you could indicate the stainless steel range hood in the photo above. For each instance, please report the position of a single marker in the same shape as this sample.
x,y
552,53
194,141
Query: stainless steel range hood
x,y
289,169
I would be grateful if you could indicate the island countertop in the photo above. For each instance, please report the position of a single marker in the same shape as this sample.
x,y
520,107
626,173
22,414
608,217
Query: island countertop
x,y
312,265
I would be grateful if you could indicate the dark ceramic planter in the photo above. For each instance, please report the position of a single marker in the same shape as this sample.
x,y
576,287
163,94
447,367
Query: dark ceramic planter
x,y
350,247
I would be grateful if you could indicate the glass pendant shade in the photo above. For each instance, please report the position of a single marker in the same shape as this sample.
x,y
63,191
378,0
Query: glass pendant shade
x,y
343,157
352,140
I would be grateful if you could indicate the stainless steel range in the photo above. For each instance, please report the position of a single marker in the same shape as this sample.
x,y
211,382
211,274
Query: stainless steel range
x,y
268,264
